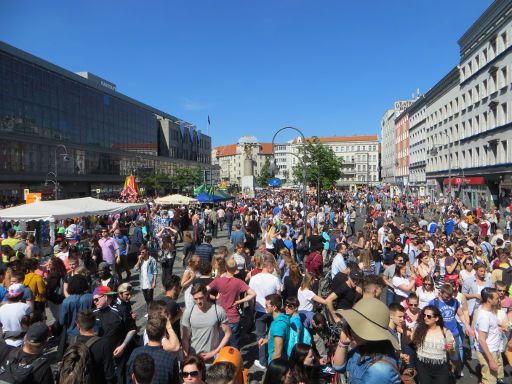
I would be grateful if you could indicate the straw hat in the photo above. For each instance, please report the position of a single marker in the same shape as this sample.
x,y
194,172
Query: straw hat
x,y
369,319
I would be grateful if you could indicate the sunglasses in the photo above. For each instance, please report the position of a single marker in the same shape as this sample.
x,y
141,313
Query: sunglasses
x,y
413,305
191,374
468,263
96,299
430,317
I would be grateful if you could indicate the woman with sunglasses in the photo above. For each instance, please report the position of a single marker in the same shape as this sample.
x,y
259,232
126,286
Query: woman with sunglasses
x,y
412,312
402,284
193,370
434,343
468,272
427,292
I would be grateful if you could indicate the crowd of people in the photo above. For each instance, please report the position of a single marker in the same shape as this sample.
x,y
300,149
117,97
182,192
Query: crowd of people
x,y
366,288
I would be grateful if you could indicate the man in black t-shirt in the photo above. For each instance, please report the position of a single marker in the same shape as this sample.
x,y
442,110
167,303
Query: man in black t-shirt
x,y
345,292
103,371
172,291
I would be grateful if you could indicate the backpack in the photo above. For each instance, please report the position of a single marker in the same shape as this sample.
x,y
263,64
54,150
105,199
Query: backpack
x,y
293,337
78,358
15,371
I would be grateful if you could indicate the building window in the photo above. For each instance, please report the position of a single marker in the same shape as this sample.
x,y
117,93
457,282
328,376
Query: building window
x,y
503,77
494,82
504,42
492,48
503,114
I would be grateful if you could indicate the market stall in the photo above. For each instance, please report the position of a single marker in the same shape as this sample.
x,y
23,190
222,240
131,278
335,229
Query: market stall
x,y
176,200
55,210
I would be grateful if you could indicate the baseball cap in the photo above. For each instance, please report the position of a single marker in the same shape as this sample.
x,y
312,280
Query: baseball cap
x,y
103,290
15,290
125,287
37,333
104,265
466,250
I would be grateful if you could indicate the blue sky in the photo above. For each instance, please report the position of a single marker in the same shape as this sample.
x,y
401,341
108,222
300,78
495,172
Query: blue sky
x,y
327,67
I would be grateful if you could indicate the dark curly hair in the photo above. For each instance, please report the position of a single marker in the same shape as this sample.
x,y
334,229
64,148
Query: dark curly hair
x,y
422,328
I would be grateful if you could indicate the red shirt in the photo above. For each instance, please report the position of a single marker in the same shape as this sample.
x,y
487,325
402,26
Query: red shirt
x,y
229,289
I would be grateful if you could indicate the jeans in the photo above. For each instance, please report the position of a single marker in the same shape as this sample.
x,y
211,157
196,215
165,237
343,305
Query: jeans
x,y
433,373
390,296
235,335
352,229
307,317
148,295
261,321
230,229
167,267
378,267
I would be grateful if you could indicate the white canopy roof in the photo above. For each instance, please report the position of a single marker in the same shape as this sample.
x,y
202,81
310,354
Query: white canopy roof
x,y
176,200
63,209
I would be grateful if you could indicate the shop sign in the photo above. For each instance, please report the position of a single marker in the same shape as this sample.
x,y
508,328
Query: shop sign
x,y
32,198
475,180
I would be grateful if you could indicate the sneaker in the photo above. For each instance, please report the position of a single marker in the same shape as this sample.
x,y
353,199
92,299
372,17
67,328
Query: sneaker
x,y
328,370
257,364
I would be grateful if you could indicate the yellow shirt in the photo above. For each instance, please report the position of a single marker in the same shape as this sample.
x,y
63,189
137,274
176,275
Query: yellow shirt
x,y
11,242
36,285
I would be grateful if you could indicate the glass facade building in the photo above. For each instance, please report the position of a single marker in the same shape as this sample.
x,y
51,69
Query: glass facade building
x,y
105,133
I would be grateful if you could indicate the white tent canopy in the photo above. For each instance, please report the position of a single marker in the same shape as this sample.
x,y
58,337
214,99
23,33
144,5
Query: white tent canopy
x,y
175,200
62,209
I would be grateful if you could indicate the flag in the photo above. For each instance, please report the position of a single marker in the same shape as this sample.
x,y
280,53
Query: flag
x,y
208,119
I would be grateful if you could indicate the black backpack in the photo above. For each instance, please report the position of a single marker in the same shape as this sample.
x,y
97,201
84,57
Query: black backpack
x,y
14,370
83,351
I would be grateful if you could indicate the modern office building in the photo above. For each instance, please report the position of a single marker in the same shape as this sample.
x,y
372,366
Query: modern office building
x,y
77,130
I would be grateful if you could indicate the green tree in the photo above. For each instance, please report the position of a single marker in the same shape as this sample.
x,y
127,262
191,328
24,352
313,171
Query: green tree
x,y
265,175
154,181
319,160
186,177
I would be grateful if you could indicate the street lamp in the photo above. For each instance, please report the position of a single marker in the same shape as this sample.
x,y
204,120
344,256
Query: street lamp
x,y
65,158
434,151
51,178
273,166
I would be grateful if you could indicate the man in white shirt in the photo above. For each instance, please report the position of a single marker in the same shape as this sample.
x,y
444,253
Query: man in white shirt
x,y
488,335
11,314
338,263
263,284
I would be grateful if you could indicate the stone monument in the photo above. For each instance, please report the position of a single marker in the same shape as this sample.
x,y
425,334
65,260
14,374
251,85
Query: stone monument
x,y
246,145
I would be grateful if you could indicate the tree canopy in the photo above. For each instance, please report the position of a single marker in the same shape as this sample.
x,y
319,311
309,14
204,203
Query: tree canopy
x,y
265,175
319,160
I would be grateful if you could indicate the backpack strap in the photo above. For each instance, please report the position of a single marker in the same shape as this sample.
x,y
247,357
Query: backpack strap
x,y
91,341
388,362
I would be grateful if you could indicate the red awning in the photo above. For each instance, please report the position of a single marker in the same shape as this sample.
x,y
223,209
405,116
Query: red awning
x,y
474,180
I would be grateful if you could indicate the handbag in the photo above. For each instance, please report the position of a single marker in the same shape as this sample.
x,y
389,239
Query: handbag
x,y
407,375
57,296
452,379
